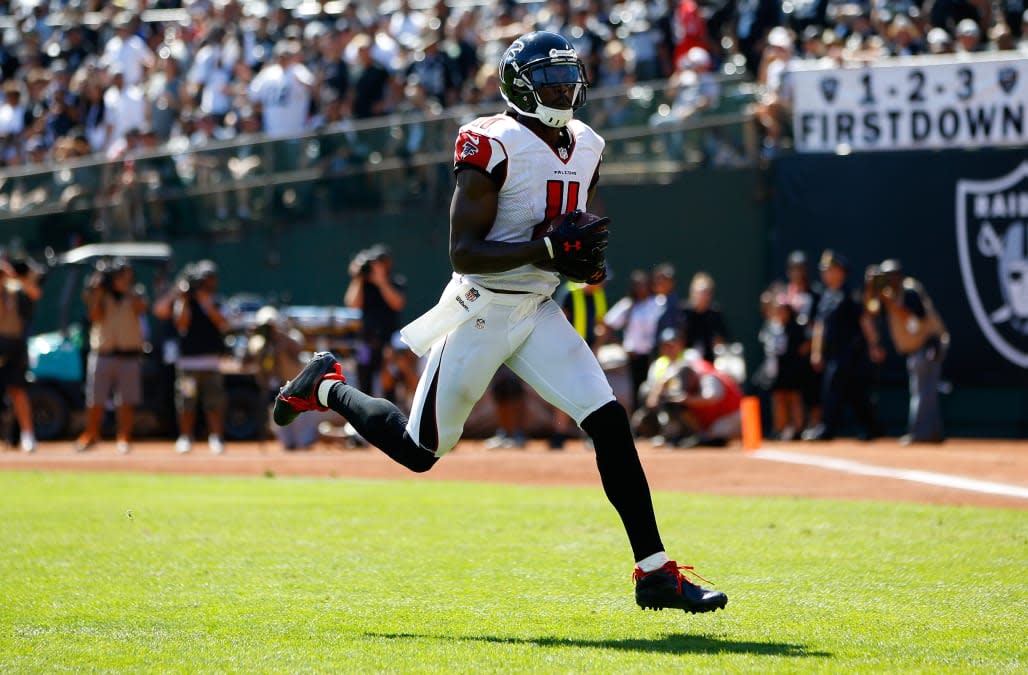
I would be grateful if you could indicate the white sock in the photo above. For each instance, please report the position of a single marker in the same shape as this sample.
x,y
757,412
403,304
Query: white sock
x,y
323,389
653,562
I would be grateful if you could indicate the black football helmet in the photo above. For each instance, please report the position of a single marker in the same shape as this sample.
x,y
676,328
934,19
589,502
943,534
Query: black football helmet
x,y
535,61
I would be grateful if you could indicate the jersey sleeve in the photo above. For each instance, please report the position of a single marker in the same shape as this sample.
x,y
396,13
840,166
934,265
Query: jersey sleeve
x,y
478,151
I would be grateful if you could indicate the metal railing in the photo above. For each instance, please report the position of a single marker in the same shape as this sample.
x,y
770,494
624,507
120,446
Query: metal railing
x,y
386,162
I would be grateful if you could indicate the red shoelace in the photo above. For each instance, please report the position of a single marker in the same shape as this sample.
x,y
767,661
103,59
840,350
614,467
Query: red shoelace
x,y
672,567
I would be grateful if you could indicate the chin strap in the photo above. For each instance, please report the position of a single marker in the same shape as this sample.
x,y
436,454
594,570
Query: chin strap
x,y
552,117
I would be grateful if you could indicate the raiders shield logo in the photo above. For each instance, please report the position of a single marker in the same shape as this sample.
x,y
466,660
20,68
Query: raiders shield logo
x,y
829,87
1007,79
992,241
472,295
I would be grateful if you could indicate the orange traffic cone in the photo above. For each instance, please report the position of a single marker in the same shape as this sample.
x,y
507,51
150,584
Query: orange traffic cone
x,y
752,436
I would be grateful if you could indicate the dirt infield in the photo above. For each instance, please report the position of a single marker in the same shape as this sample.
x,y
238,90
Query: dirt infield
x,y
729,472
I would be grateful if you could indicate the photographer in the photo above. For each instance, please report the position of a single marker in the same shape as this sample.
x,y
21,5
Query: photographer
x,y
918,333
378,293
193,308
19,291
114,308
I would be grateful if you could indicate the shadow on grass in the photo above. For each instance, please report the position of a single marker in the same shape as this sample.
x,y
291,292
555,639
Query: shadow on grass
x,y
668,644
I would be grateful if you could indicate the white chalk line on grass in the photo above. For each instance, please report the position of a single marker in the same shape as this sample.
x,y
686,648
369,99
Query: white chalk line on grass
x,y
927,477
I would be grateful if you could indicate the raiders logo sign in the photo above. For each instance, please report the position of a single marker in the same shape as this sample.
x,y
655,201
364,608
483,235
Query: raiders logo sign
x,y
992,241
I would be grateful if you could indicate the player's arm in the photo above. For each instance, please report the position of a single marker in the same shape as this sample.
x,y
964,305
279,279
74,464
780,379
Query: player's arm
x,y
472,213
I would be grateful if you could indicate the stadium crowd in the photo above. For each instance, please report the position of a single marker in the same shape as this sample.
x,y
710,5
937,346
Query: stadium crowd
x,y
84,77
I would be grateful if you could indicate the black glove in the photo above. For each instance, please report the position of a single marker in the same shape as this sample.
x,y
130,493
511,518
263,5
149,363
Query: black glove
x,y
579,251
574,240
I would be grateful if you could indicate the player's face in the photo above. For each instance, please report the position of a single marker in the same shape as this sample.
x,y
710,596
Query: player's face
x,y
557,84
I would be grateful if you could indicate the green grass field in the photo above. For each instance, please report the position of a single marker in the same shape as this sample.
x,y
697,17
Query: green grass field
x,y
187,574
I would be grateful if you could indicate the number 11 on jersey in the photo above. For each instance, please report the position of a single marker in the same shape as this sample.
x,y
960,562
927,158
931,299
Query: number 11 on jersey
x,y
555,202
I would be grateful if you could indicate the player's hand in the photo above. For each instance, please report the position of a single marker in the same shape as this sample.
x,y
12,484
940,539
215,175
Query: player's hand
x,y
579,250
571,240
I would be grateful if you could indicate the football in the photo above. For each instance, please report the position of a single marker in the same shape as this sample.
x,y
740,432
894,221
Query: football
x,y
547,227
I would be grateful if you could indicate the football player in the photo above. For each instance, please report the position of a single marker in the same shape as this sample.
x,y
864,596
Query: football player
x,y
533,164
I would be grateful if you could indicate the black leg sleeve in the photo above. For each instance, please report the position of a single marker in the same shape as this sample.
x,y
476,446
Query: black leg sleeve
x,y
382,424
623,478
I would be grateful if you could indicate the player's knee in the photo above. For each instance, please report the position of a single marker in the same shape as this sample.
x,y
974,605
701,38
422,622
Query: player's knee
x,y
422,462
609,421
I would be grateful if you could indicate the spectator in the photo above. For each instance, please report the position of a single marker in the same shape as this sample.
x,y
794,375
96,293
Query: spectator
x,y
124,107
968,36
786,350
370,84
211,74
904,39
379,294
434,71
918,333
666,297
284,91
193,307
704,323
774,109
164,96
939,41
636,316
803,297
126,52
839,351
115,308
19,292
690,30
12,117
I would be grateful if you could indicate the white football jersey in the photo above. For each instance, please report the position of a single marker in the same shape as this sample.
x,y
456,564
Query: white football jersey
x,y
285,97
537,183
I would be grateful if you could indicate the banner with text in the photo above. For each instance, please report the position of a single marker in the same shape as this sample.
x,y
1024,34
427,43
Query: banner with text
x,y
928,102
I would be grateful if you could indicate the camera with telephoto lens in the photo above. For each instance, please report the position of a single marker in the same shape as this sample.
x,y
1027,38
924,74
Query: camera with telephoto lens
x,y
106,271
362,261
876,279
194,275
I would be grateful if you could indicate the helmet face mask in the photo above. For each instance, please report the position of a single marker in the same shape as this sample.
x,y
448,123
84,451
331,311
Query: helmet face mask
x,y
541,76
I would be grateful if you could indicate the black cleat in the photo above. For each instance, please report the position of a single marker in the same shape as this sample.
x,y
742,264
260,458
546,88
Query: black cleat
x,y
668,587
301,393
